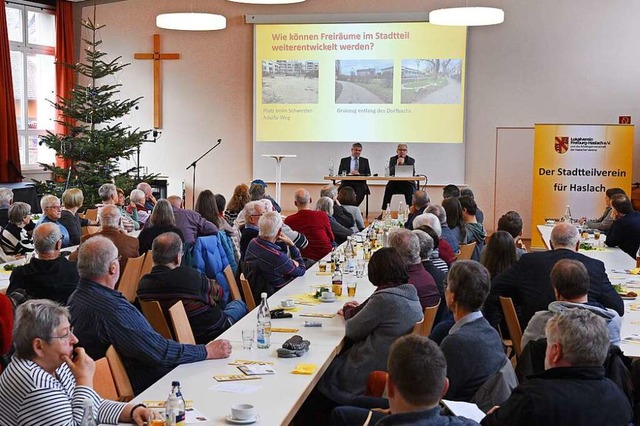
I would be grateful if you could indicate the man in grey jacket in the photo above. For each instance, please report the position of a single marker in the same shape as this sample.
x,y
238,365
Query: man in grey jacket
x,y
570,281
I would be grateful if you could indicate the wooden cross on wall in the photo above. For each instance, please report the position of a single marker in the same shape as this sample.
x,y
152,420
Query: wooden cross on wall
x,y
156,56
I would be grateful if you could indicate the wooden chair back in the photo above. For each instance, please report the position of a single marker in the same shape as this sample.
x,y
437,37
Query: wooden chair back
x,y
233,285
513,324
147,265
89,230
181,326
120,377
153,313
103,382
248,294
91,214
128,284
376,383
424,328
466,251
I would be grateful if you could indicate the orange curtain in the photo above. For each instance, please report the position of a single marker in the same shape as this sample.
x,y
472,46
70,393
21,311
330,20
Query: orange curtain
x,y
9,149
64,54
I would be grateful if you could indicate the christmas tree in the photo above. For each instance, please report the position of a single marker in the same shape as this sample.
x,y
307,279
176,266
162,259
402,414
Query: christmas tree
x,y
96,138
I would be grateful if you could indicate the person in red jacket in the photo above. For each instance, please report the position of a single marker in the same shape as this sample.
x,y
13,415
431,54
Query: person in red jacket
x,y
312,224
6,325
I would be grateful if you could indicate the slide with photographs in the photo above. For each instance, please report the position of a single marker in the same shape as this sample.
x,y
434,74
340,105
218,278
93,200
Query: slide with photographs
x,y
378,82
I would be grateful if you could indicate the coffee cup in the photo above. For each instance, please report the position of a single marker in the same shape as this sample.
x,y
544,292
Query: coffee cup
x,y
243,411
328,295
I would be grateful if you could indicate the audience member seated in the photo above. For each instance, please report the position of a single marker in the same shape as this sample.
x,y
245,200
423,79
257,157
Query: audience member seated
x,y
268,259
419,202
6,198
453,210
43,385
189,222
445,233
169,282
434,256
347,199
340,214
417,380
450,191
570,281
499,254
103,317
426,247
510,222
239,198
72,200
605,221
467,192
149,199
473,348
6,328
207,206
625,231
50,205
473,230
340,233
408,246
137,204
161,220
14,238
253,211
110,227
48,275
312,224
257,191
527,282
390,312
445,251
573,389
110,195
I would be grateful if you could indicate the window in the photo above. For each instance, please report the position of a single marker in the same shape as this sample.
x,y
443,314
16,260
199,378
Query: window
x,y
32,43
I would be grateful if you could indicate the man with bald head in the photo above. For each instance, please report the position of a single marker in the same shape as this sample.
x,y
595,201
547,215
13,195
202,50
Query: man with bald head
x,y
313,224
101,317
528,281
47,275
189,222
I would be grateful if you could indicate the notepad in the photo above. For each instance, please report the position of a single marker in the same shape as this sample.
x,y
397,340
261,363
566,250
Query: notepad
x,y
256,369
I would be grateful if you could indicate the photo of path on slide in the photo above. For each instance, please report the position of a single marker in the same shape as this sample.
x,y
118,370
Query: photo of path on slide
x,y
431,81
290,82
364,81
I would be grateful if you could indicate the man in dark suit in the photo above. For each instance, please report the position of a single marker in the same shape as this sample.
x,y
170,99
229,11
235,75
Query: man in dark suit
x,y
354,165
625,231
528,281
398,187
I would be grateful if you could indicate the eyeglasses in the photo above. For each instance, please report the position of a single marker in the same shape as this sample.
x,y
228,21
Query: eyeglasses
x,y
119,258
54,207
256,215
65,336
402,149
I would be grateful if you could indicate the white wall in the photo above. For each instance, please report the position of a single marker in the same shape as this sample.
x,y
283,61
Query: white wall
x,y
572,61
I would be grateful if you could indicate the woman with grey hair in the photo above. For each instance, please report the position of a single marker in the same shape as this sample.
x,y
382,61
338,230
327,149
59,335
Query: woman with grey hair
x,y
48,381
138,198
161,220
14,238
325,204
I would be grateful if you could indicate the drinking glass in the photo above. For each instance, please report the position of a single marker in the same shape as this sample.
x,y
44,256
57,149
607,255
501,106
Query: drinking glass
x,y
360,268
351,288
247,338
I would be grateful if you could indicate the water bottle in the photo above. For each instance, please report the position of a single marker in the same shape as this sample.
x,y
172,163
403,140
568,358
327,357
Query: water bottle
x,y
387,215
386,170
401,210
567,215
87,415
174,408
263,337
350,256
332,167
336,282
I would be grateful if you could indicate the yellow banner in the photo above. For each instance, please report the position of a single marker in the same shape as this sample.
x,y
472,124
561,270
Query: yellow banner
x,y
573,165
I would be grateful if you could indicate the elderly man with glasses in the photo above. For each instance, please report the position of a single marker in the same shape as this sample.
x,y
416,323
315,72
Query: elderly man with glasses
x,y
52,210
399,187
48,380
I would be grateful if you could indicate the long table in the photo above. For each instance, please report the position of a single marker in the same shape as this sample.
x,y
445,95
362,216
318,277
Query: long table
x,y
277,397
616,263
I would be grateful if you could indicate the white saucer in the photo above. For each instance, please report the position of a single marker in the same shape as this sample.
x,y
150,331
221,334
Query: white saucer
x,y
230,419
322,299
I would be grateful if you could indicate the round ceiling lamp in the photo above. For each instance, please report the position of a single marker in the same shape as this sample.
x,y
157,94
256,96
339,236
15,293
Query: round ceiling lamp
x,y
467,16
267,1
191,21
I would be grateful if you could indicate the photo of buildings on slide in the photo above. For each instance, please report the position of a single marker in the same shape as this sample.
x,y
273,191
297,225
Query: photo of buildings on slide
x,y
431,81
290,81
366,81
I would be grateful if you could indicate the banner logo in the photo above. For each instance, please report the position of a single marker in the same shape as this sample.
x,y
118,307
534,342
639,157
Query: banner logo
x,y
561,144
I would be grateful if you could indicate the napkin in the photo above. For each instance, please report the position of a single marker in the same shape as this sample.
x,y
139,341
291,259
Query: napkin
x,y
305,369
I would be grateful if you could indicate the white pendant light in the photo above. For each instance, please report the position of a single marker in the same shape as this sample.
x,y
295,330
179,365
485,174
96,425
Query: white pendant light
x,y
267,1
466,16
191,21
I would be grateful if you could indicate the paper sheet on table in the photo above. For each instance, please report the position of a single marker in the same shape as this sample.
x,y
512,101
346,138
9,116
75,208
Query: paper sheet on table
x,y
305,369
235,387
464,409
